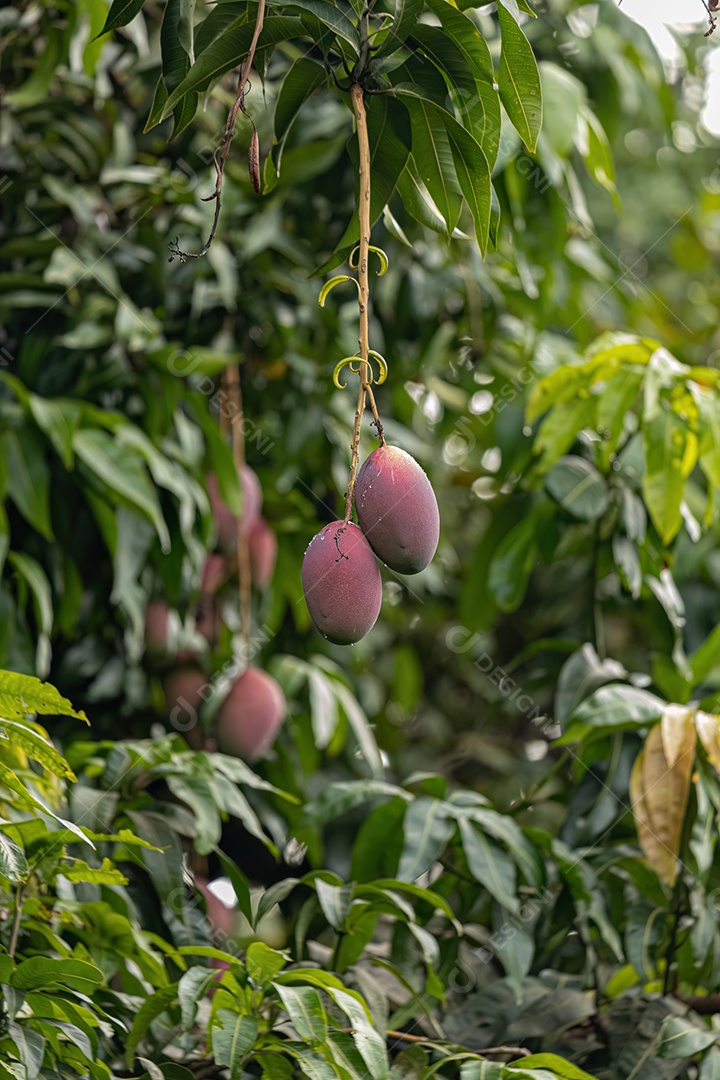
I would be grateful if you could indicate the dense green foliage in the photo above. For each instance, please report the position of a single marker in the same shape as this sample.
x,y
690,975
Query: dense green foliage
x,y
484,842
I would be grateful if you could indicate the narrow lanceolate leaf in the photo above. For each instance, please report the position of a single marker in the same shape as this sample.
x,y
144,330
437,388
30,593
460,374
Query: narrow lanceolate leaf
x,y
233,1039
23,694
13,864
427,833
659,793
152,1008
461,46
335,902
489,865
37,746
123,471
28,481
417,200
228,52
519,80
435,133
303,78
473,174
303,1005
120,14
37,580
330,15
30,1046
176,44
263,963
404,17
432,153
671,451
46,972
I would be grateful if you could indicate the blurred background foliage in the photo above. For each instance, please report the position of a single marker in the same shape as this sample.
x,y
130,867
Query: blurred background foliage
x,y
112,357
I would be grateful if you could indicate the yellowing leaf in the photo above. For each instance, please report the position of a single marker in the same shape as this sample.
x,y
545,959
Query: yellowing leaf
x,y
677,732
708,729
659,794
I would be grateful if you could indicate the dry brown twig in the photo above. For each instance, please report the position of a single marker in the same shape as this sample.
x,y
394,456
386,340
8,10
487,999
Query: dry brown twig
x,y
222,152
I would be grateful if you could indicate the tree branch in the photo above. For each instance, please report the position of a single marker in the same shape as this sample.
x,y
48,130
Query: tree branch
x,y
357,97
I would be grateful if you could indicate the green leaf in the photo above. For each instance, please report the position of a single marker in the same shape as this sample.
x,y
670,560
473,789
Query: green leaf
x,y
428,896
519,80
368,1041
106,874
710,1066
123,471
427,833
33,574
233,1040
404,17
490,865
38,747
30,1047
28,477
239,884
218,20
23,694
561,427
153,1007
13,782
229,51
305,1009
618,705
679,1038
345,795
264,963
579,488
13,864
58,420
475,1069
194,984
120,14
416,199
580,675
330,15
558,1066
473,175
42,971
506,829
432,153
434,132
303,78
512,564
176,44
197,793
462,53
671,451
335,902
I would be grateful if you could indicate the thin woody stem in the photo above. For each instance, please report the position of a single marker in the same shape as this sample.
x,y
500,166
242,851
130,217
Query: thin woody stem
x,y
221,154
357,97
